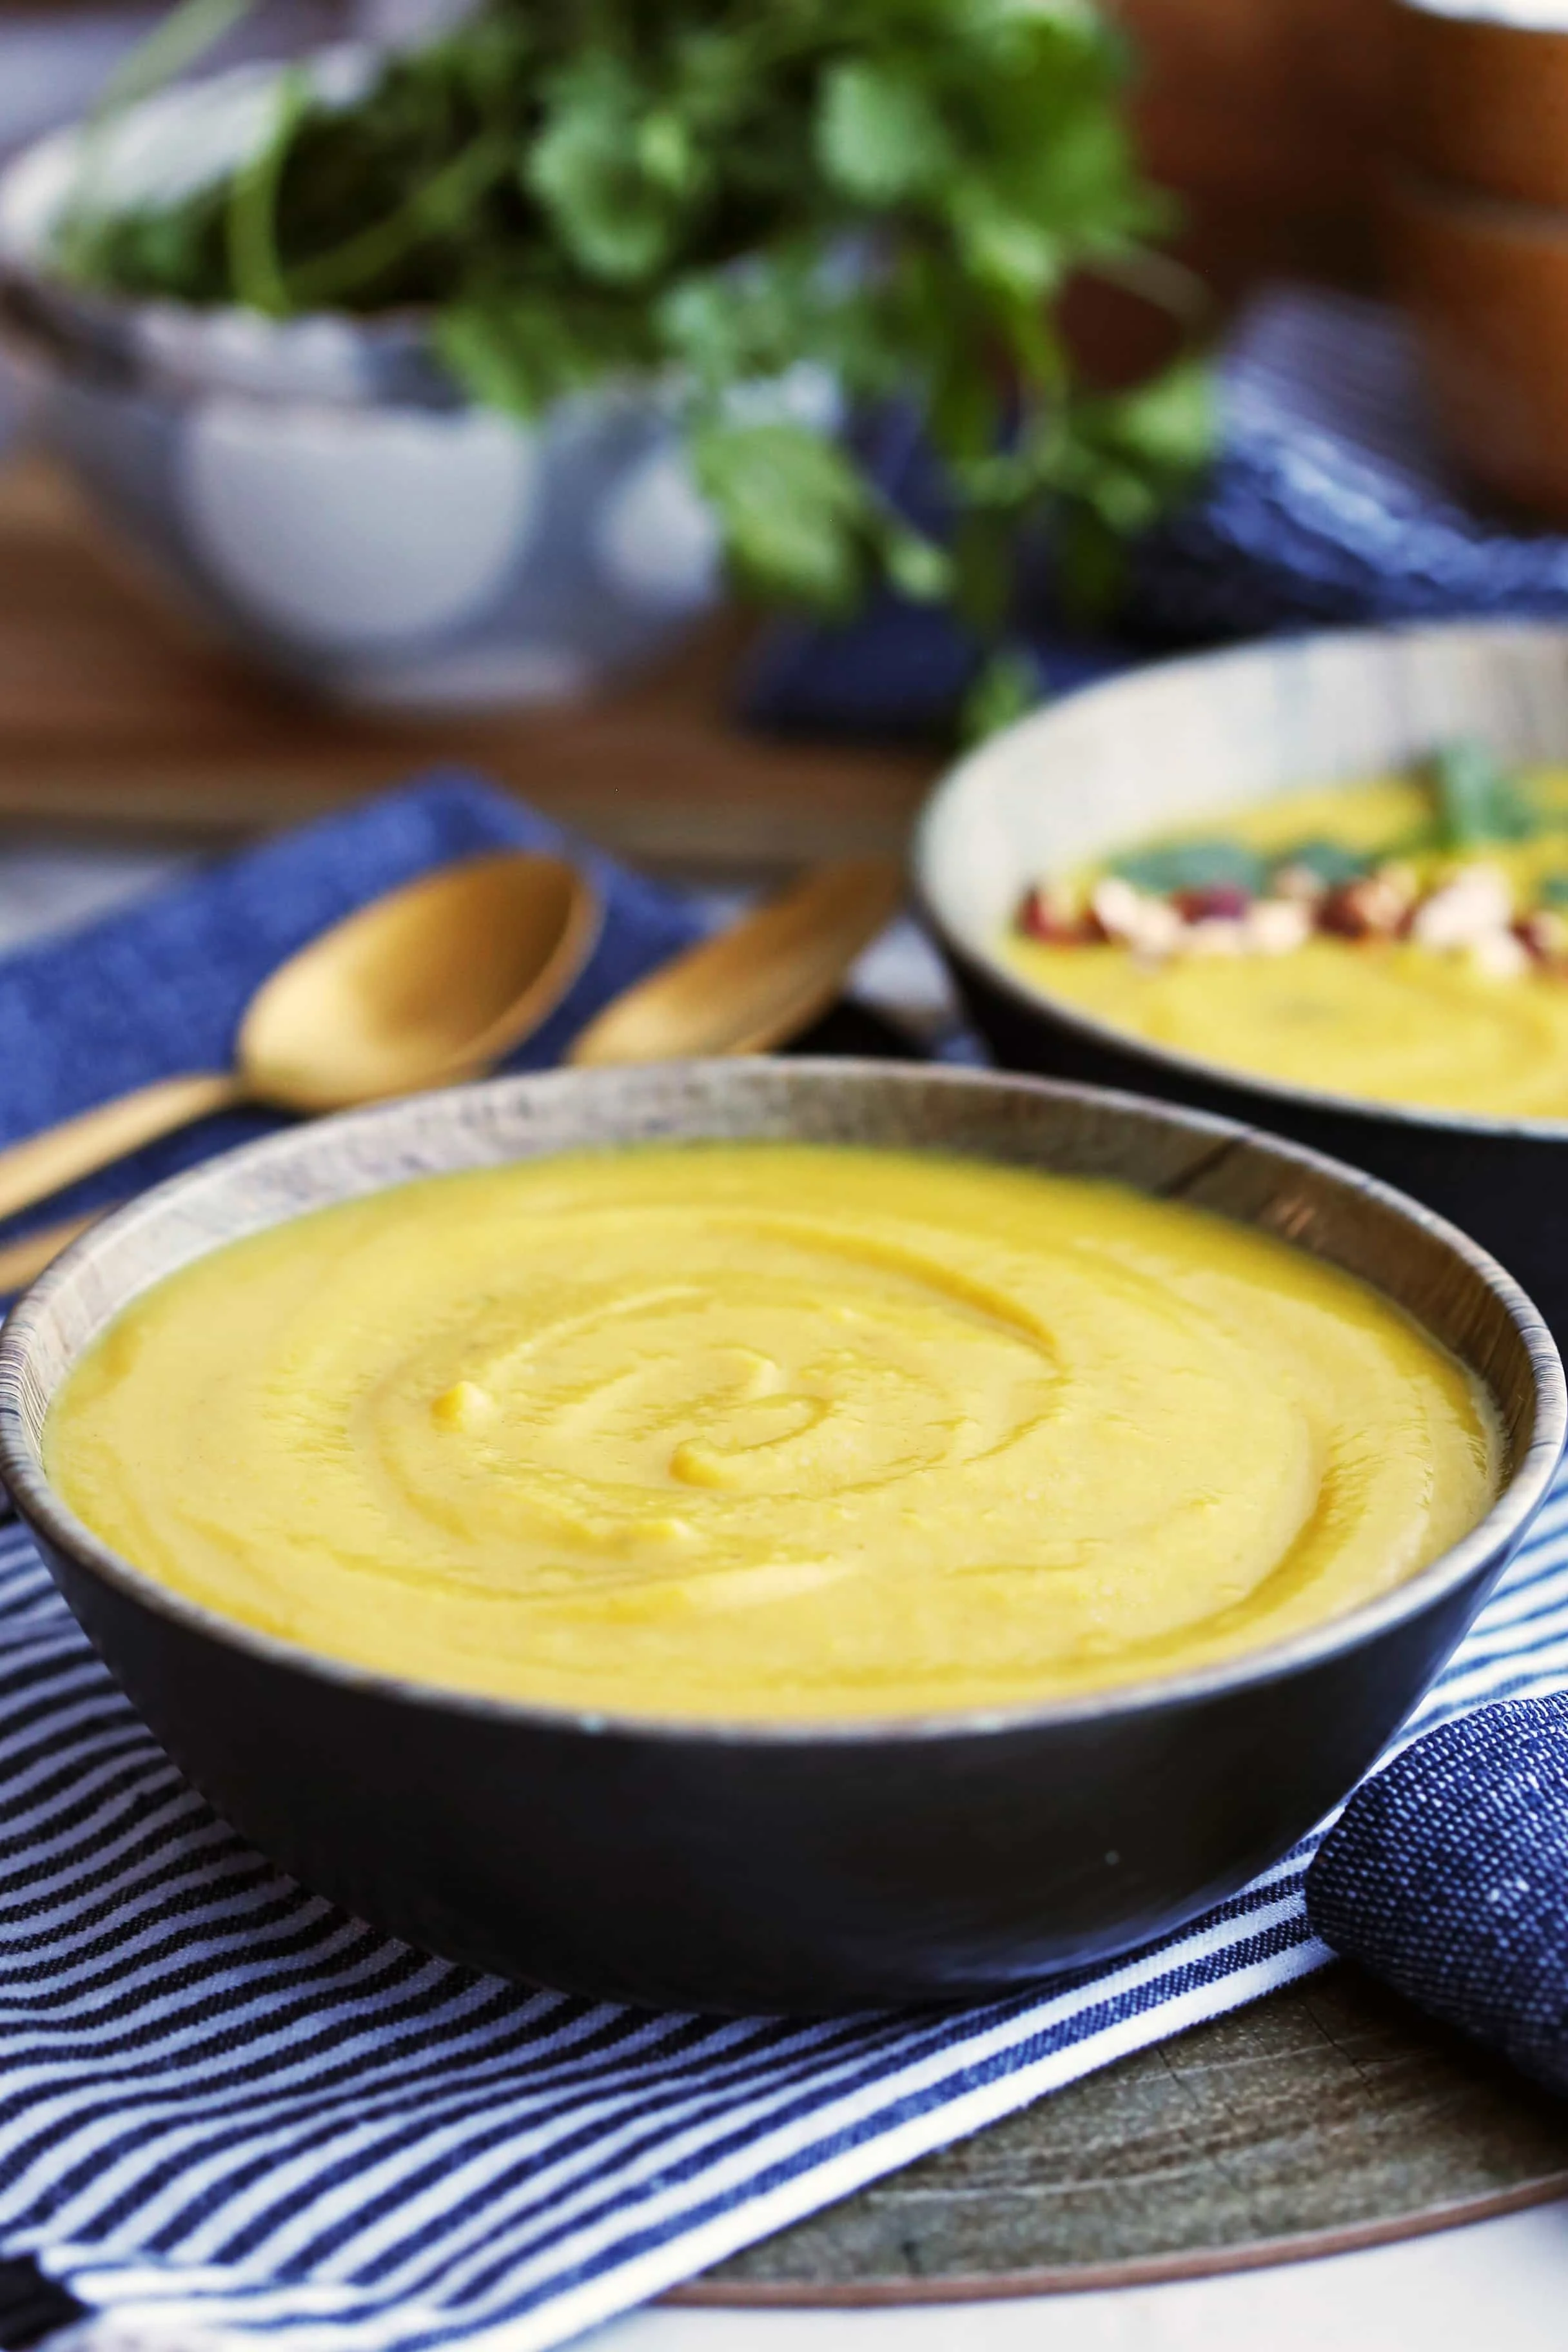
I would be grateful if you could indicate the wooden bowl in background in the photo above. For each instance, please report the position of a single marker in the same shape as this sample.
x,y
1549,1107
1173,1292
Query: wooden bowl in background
x,y
1482,103
1485,281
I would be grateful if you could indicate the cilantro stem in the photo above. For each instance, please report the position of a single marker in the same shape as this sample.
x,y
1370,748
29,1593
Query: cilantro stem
x,y
174,44
1159,278
253,257
327,277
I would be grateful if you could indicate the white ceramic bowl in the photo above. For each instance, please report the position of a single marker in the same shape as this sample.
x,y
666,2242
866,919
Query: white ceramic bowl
x,y
315,490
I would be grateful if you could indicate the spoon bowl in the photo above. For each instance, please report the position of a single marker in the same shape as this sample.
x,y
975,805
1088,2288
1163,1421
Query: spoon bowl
x,y
433,983
443,978
750,987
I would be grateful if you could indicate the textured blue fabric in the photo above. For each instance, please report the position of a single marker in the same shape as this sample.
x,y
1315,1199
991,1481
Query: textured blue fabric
x,y
160,986
1334,500
1447,1876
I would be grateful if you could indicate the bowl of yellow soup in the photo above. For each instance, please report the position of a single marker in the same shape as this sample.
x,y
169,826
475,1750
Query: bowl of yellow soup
x,y
1333,877
776,1536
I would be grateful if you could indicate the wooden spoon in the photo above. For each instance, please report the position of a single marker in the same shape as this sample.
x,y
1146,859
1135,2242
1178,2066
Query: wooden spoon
x,y
757,983
22,1261
432,983
751,986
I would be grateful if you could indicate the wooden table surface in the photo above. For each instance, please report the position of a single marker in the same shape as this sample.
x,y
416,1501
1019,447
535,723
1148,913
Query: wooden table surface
x,y
112,713
1326,2116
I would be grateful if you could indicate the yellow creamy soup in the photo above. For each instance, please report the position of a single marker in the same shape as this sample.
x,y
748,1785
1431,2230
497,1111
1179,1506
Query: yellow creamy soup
x,y
769,1431
1451,993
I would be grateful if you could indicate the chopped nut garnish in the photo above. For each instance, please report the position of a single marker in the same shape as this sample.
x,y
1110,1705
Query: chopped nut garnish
x,y
1476,903
1470,912
1053,914
1275,926
1150,926
1215,935
1543,935
1221,902
1374,908
1497,955
1302,884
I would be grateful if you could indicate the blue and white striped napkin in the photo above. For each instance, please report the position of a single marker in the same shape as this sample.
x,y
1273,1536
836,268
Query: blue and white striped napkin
x,y
224,2106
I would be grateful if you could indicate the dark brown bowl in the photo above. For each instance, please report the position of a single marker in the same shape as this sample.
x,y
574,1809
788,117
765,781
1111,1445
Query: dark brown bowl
x,y
1485,281
757,1866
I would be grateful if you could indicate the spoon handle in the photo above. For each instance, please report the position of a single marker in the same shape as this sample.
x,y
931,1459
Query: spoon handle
x,y
30,1172
22,1261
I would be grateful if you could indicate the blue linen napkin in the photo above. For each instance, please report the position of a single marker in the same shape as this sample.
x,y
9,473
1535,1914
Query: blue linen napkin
x,y
159,987
1334,500
1447,1876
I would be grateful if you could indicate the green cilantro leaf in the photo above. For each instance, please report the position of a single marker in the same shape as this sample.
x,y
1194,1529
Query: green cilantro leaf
x,y
1332,862
1211,863
589,167
880,136
1006,687
793,507
1476,799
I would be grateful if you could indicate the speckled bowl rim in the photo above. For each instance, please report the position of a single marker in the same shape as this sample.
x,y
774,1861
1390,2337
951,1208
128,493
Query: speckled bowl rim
x,y
982,956
1502,1527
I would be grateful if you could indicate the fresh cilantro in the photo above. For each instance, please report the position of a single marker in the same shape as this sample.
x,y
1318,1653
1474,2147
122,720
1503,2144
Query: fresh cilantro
x,y
797,512
1476,799
879,137
1212,863
1332,862
702,194
1007,685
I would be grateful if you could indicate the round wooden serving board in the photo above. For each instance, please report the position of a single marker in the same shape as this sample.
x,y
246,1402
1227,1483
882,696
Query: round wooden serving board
x,y
1329,2115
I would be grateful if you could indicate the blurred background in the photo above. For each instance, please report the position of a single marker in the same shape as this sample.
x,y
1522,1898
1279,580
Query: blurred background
x,y
1267,115
1382,318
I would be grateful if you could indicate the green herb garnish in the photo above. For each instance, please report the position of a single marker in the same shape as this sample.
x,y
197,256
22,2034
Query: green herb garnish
x,y
1211,863
1332,862
1476,799
704,193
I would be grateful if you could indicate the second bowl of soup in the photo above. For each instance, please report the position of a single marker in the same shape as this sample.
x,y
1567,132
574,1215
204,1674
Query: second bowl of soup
x,y
1322,884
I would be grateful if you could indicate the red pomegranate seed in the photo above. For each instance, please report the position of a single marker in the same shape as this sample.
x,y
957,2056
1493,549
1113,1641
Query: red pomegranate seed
x,y
1219,902
1038,918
